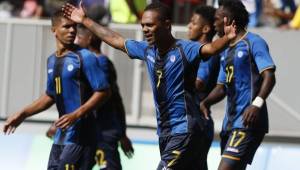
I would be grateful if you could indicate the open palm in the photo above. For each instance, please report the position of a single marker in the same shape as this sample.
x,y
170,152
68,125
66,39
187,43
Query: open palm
x,y
73,13
229,29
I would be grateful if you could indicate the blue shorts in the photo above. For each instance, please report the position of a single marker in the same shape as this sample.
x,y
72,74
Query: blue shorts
x,y
181,152
72,157
107,155
238,146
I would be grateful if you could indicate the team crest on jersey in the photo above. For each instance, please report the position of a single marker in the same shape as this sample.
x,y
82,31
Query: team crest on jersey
x,y
70,67
172,58
222,58
240,54
150,58
50,71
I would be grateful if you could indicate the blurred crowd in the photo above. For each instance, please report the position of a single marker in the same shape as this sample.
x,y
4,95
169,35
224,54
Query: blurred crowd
x,y
276,13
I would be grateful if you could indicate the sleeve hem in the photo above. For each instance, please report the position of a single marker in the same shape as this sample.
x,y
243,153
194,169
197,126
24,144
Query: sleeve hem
x,y
267,68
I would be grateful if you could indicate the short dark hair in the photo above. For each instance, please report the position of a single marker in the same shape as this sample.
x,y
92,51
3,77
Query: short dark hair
x,y
236,11
163,10
208,14
55,18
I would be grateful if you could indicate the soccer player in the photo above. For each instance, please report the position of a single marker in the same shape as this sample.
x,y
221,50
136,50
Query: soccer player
x,y
172,65
76,84
111,122
247,77
201,28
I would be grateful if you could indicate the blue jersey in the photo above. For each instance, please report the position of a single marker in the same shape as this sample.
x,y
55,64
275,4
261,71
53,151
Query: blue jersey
x,y
240,70
111,115
208,72
72,79
172,78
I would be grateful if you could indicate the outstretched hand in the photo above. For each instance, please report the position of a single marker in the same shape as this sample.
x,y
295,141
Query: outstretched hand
x,y
229,29
126,146
75,14
66,120
12,123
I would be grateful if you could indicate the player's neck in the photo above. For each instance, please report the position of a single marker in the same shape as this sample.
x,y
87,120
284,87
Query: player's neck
x,y
97,52
203,39
164,46
62,49
240,35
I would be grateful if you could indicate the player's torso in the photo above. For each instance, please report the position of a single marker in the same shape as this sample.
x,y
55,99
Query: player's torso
x,y
173,98
66,76
242,83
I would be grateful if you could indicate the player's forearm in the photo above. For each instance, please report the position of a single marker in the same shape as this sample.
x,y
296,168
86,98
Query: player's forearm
x,y
132,8
215,47
39,105
108,36
268,83
216,95
200,85
283,15
97,99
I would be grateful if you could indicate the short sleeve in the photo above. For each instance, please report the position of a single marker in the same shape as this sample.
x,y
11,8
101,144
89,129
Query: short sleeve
x,y
222,75
136,49
103,63
192,50
261,55
50,90
93,72
203,71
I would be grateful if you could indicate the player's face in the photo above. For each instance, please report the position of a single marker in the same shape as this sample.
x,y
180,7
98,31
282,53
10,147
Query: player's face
x,y
153,28
65,31
195,27
219,21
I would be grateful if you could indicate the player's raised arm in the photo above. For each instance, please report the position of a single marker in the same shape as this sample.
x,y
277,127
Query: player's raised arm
x,y
13,121
108,36
220,44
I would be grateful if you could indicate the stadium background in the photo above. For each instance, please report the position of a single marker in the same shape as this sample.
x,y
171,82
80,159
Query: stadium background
x,y
26,44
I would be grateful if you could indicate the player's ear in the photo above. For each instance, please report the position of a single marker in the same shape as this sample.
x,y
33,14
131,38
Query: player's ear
x,y
206,29
168,24
53,29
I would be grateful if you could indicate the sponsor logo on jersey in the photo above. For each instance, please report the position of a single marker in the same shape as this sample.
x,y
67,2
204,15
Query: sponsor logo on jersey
x,y
230,149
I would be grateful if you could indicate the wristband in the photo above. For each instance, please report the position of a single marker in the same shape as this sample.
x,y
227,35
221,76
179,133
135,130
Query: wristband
x,y
258,102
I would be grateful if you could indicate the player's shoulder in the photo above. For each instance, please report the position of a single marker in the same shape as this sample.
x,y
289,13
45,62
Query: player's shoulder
x,y
185,43
103,59
51,58
254,38
132,42
84,52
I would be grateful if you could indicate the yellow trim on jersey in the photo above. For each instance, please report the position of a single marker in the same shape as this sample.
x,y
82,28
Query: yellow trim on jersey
x,y
231,157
